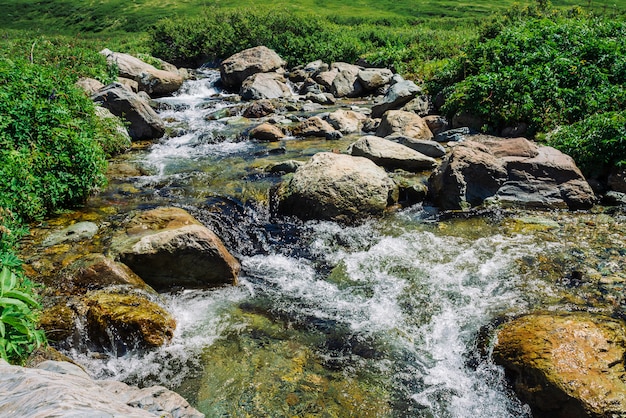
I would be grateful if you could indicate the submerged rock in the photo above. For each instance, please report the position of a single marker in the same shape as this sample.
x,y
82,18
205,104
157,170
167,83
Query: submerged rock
x,y
76,232
167,247
336,187
569,365
64,390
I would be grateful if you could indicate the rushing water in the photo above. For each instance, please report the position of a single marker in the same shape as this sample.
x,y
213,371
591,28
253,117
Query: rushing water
x,y
389,318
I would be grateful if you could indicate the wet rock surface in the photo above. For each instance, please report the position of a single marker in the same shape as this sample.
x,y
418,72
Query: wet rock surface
x,y
569,365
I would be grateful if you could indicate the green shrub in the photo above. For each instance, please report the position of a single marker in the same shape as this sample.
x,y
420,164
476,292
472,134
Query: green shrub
x,y
19,309
544,72
49,151
596,143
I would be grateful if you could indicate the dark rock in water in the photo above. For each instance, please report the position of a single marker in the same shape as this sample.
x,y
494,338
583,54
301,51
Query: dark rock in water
x,y
569,365
333,136
167,247
612,198
259,109
617,179
336,187
63,389
454,135
289,166
391,155
236,68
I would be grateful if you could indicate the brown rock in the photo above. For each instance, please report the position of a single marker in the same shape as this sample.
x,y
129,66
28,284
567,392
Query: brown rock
x,y
507,147
167,247
404,123
313,126
346,121
391,155
566,366
89,85
258,109
267,132
129,319
436,123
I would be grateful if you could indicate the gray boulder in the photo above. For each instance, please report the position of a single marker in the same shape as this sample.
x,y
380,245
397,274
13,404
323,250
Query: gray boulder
x,y
430,148
346,84
89,85
374,78
64,390
336,187
153,81
390,155
236,68
167,247
397,96
419,105
436,123
403,123
264,86
143,120
326,78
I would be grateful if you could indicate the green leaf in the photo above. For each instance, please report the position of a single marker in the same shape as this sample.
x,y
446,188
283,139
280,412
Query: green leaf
x,y
7,280
4,302
2,329
18,324
24,297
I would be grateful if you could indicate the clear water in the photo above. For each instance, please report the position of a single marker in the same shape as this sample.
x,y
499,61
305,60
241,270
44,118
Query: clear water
x,y
388,318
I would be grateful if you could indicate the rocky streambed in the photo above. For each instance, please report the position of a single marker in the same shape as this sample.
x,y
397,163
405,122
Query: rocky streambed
x,y
318,242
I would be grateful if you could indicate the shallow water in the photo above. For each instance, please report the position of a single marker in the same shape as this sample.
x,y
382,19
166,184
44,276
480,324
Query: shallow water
x,y
389,318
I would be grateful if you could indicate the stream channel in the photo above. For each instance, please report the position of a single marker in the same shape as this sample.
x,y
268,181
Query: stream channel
x,y
393,317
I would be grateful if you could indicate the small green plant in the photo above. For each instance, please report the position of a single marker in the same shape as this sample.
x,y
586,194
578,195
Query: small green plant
x,y
597,143
19,335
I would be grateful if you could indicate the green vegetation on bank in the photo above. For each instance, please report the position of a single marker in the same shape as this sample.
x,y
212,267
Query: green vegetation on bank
x,y
53,151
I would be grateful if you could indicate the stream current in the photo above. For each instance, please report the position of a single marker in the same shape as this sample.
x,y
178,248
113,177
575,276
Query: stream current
x,y
389,318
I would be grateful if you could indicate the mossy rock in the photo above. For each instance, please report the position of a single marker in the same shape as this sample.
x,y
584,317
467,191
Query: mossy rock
x,y
122,321
566,365
59,322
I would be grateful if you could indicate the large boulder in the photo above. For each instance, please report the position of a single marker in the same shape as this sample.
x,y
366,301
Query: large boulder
x,y
236,68
346,84
167,247
391,155
89,85
336,187
326,78
566,366
60,389
397,96
514,171
404,123
374,78
468,176
264,86
143,120
346,121
153,81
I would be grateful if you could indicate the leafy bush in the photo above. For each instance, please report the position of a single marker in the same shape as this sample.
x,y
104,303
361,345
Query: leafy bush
x,y
19,335
296,38
49,151
543,71
597,143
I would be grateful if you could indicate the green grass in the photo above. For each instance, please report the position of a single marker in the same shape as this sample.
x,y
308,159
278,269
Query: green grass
x,y
122,16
